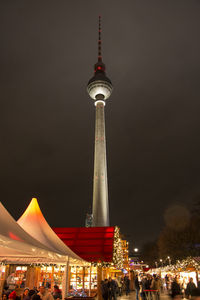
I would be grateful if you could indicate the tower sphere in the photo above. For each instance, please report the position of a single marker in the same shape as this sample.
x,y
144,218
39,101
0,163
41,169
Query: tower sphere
x,y
99,86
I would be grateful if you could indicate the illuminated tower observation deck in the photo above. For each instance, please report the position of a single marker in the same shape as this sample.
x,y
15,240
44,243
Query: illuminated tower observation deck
x,y
99,89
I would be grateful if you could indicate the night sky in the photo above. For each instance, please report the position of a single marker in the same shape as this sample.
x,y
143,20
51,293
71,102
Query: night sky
x,y
152,53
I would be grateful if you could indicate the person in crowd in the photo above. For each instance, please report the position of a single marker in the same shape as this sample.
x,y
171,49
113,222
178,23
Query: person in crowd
x,y
56,292
137,287
153,282
155,287
6,290
105,289
159,286
119,283
123,285
112,285
48,283
191,287
45,294
29,295
25,293
127,284
167,282
4,297
175,289
149,279
13,295
11,282
145,286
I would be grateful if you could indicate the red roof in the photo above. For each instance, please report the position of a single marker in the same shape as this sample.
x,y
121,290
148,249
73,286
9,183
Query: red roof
x,y
93,244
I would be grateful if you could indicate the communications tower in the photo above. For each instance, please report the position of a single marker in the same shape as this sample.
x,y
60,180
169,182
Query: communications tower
x,y
99,89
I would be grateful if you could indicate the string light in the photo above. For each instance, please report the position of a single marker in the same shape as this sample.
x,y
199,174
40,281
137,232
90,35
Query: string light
x,y
183,265
117,250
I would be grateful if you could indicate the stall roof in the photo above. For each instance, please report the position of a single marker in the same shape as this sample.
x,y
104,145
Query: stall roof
x,y
94,244
34,223
15,242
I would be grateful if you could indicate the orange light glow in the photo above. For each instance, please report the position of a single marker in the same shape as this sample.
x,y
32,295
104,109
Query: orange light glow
x,y
32,208
13,236
32,214
33,222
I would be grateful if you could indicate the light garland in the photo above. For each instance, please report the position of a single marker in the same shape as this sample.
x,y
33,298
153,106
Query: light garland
x,y
184,264
42,265
189,262
117,250
102,264
45,265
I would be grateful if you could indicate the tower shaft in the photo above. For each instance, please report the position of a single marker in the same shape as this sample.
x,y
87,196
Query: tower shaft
x,y
100,88
100,186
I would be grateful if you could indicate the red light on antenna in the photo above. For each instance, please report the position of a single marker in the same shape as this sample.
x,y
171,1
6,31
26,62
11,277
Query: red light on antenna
x,y
99,68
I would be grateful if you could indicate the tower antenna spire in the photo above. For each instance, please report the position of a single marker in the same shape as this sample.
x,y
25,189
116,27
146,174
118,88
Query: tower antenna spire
x,y
99,42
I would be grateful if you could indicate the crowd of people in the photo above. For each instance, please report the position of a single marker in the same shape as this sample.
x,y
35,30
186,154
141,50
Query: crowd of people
x,y
110,288
147,287
151,286
31,294
113,287
182,289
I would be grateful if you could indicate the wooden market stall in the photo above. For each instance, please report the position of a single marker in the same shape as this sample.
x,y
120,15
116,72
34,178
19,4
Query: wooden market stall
x,y
103,247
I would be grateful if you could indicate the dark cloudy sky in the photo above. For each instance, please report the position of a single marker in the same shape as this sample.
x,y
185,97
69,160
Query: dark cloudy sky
x,y
152,53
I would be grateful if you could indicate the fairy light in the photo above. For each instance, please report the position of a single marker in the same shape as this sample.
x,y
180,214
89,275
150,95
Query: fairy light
x,y
182,265
117,250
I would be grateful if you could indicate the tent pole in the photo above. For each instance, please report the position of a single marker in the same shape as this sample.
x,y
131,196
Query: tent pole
x,y
52,279
90,281
65,283
99,279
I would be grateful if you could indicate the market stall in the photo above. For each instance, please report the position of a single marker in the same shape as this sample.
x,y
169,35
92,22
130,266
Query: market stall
x,y
103,247
34,223
182,269
23,256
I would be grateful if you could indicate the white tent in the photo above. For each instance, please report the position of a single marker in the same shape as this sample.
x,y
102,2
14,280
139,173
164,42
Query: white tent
x,y
16,245
34,223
